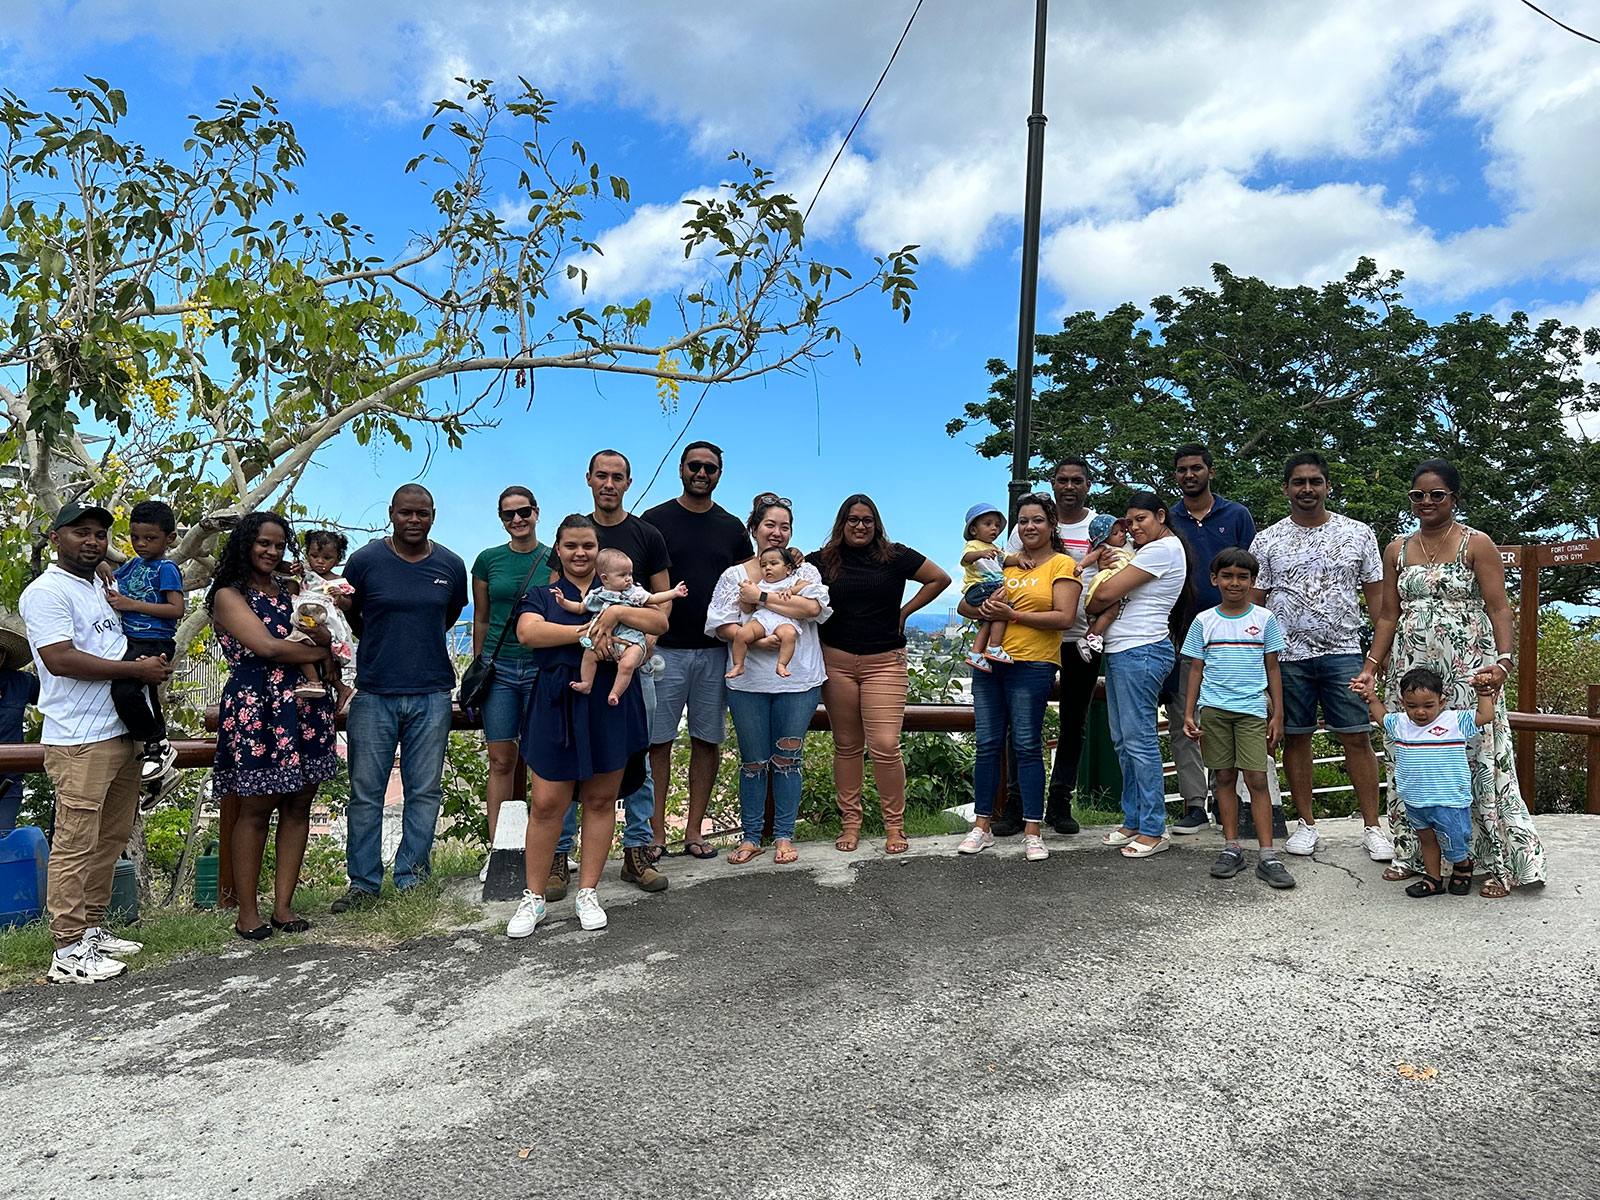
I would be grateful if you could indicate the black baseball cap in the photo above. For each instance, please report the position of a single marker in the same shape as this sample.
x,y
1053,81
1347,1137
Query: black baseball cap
x,y
72,512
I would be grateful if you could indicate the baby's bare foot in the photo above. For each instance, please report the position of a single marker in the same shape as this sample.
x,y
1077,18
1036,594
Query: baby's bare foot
x,y
783,670
734,673
614,699
580,687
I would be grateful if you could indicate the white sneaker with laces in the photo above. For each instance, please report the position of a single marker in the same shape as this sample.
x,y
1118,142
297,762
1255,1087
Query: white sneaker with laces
x,y
976,839
1379,847
107,943
530,911
1303,840
1033,848
82,963
590,914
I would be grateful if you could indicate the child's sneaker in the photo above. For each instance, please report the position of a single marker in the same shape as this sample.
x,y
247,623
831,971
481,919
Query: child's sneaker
x,y
1229,863
1274,873
1094,641
154,791
590,914
998,654
1085,651
978,663
158,760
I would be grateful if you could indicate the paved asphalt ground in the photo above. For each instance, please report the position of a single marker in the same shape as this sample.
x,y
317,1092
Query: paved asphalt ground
x,y
859,1026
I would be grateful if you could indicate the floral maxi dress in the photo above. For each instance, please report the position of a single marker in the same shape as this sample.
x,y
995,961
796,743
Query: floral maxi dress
x,y
269,743
1443,625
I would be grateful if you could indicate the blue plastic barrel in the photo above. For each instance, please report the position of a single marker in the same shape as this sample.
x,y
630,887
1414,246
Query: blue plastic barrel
x,y
24,857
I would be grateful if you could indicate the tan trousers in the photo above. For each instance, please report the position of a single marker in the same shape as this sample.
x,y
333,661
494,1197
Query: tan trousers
x,y
865,695
97,796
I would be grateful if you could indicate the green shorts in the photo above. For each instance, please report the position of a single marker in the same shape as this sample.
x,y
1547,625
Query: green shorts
x,y
1232,740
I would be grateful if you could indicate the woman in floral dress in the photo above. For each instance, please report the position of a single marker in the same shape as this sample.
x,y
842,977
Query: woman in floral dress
x,y
1445,607
273,749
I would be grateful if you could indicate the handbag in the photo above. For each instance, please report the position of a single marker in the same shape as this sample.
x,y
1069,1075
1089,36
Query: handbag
x,y
478,678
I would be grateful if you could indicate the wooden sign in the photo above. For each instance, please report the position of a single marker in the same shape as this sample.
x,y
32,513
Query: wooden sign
x,y
1510,556
1566,553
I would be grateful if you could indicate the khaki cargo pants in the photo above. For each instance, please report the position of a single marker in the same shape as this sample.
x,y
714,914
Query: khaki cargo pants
x,y
97,797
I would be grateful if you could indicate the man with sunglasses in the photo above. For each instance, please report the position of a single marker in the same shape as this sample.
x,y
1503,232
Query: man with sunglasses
x,y
1315,565
704,540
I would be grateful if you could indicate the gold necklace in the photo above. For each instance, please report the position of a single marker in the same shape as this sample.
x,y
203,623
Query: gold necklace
x,y
1431,551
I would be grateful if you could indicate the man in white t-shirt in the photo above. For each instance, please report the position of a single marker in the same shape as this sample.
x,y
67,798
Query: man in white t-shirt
x,y
77,643
1071,481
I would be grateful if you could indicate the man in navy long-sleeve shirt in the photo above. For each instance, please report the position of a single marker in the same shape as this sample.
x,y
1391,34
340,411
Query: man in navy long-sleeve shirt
x,y
409,591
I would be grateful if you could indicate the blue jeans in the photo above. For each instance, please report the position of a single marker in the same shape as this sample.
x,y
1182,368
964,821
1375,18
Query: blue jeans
x,y
1013,694
763,721
418,725
1133,683
638,808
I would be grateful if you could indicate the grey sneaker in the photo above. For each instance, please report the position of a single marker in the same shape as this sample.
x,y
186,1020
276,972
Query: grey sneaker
x,y
1193,821
353,900
1229,863
1274,873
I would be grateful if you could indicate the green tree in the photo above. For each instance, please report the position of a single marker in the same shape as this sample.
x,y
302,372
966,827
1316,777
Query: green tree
x,y
1258,372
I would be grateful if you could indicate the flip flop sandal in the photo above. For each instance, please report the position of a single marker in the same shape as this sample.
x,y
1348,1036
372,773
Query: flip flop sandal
x,y
784,857
700,850
1493,889
1428,885
1460,881
654,852
746,853
1397,873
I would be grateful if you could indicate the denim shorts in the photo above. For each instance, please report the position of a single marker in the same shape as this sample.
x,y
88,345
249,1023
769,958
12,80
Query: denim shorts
x,y
1451,825
982,590
696,679
507,702
1323,681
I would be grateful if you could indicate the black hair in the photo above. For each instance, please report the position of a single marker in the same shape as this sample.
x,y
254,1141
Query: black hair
x,y
792,557
1422,679
1443,468
1192,450
570,521
1187,604
1306,458
880,549
410,489
1073,460
517,490
154,512
1235,556
711,446
759,507
1048,503
331,538
233,561
627,467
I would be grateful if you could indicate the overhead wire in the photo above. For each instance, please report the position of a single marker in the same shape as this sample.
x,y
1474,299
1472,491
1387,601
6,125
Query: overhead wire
x,y
1563,24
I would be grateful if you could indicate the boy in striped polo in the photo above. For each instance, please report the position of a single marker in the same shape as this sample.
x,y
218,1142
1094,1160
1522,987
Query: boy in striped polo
x,y
1432,774
1233,670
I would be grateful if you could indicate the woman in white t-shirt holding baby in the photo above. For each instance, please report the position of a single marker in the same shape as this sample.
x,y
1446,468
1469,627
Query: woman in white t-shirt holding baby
x,y
1139,656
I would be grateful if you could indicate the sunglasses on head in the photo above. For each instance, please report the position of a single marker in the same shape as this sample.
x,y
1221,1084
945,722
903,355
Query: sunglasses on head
x,y
773,498
524,513
701,468
1437,496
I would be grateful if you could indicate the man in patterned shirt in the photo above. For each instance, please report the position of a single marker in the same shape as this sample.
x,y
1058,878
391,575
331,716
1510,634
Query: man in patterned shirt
x,y
1314,566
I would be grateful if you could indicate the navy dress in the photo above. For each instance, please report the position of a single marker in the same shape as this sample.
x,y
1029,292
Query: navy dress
x,y
566,735
269,742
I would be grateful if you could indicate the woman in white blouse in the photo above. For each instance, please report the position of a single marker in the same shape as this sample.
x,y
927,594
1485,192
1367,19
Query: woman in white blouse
x,y
771,712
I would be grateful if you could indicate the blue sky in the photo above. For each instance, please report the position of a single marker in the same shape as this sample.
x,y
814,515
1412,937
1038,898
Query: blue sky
x,y
1284,140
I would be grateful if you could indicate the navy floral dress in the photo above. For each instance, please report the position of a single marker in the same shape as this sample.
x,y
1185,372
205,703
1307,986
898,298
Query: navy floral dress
x,y
268,742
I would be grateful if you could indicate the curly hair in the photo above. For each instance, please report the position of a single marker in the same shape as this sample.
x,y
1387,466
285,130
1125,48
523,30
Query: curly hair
x,y
1048,503
331,538
233,563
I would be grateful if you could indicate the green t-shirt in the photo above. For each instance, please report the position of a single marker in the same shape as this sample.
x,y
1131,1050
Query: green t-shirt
x,y
504,569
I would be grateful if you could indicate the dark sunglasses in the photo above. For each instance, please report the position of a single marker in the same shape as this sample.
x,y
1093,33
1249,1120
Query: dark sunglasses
x,y
1437,496
701,468
774,498
511,514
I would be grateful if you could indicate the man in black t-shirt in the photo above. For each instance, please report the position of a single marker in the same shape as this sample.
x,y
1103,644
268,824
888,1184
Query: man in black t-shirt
x,y
610,475
704,540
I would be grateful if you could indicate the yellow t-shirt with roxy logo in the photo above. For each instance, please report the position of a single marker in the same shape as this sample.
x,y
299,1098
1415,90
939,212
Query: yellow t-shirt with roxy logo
x,y
1032,590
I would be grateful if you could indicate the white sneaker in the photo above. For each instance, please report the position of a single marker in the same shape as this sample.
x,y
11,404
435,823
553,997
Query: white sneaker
x,y
590,914
1303,840
1379,847
107,943
82,963
530,911
976,839
1033,848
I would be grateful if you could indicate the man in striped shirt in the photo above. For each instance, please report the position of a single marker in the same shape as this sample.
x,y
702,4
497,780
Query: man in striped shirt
x,y
77,643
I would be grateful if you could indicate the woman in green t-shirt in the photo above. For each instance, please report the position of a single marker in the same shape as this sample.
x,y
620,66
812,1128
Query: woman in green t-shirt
x,y
501,575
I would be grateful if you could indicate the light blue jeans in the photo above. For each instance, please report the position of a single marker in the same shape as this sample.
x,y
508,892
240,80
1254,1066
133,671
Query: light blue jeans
x,y
1133,683
638,808
763,721
418,725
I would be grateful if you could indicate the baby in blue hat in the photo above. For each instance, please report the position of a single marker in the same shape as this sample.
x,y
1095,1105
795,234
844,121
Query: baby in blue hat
x,y
1111,533
983,574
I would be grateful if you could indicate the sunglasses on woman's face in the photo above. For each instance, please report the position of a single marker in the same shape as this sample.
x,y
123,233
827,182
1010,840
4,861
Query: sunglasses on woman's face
x,y
1436,496
524,513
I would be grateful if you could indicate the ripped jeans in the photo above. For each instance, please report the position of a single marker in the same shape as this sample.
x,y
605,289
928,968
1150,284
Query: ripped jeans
x,y
771,729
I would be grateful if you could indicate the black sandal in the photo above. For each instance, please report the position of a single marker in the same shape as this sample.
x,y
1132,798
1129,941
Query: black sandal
x,y
1428,885
1461,879
297,925
259,934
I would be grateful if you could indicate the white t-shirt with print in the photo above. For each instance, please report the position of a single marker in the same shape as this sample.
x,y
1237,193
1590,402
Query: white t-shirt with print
x,y
1075,537
1146,609
1313,577
62,607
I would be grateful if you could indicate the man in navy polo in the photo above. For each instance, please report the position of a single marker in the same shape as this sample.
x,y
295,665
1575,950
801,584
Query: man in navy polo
x,y
1208,523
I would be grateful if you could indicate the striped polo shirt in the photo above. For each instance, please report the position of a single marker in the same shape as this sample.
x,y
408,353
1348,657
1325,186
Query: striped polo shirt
x,y
1430,762
1234,651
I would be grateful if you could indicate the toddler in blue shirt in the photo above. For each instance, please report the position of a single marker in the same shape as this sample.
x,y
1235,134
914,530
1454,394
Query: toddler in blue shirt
x,y
149,595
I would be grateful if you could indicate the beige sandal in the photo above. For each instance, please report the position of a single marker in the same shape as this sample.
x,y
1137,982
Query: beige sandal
x,y
894,842
848,840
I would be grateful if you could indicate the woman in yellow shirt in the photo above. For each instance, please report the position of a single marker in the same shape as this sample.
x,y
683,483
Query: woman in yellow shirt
x,y
1040,601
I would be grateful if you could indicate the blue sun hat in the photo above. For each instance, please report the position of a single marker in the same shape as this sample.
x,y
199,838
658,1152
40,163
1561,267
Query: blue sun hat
x,y
980,510
1100,530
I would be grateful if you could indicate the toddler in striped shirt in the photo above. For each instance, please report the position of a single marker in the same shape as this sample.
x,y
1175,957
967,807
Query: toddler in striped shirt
x,y
1432,774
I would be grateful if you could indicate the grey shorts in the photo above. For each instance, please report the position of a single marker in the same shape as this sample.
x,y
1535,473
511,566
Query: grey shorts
x,y
696,679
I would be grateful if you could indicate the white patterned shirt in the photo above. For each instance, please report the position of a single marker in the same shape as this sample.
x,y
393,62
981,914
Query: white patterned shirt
x,y
1313,577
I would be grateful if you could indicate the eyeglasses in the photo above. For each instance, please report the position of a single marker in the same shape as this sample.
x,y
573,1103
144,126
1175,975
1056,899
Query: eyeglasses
x,y
770,498
862,521
701,468
524,513
1436,496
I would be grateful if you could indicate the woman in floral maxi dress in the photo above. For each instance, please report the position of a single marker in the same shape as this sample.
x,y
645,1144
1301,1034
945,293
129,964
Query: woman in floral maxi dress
x,y
273,748
1446,608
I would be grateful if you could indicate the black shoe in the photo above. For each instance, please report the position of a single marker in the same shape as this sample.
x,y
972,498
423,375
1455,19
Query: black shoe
x,y
1063,823
1006,827
353,899
1280,826
1229,863
1194,820
1273,873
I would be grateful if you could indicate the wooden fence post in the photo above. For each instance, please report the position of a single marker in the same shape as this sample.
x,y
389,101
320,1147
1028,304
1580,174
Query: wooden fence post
x,y
1527,665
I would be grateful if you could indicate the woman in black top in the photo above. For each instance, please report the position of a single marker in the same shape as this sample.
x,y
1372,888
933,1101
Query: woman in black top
x,y
864,649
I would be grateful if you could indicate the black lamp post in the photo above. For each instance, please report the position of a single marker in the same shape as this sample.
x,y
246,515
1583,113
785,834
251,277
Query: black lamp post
x,y
1022,432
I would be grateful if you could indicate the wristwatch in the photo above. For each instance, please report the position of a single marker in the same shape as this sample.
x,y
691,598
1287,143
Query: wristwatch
x,y
762,592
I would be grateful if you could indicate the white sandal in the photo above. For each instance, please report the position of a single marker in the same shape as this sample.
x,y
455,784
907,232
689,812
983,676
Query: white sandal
x,y
1117,839
1140,850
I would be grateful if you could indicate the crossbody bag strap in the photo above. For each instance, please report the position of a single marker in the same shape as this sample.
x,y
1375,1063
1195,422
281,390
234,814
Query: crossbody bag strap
x,y
540,560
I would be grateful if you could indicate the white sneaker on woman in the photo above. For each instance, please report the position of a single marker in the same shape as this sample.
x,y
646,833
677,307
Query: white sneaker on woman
x,y
530,911
977,839
590,914
1033,848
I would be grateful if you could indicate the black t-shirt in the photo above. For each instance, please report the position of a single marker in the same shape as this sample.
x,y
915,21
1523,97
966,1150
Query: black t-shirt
x,y
865,597
640,542
703,546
